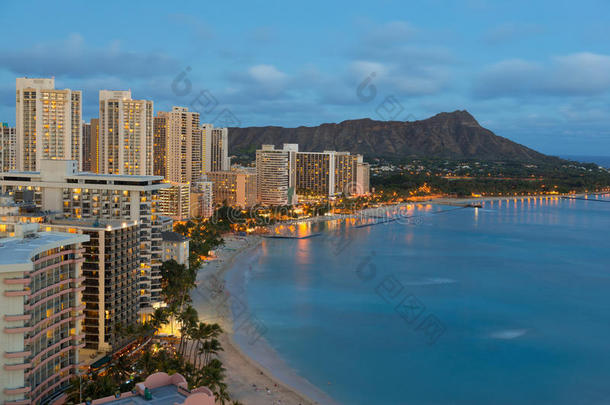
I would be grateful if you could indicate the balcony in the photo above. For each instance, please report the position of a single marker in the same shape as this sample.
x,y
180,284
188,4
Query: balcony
x,y
16,391
15,367
15,318
17,329
16,280
18,293
17,355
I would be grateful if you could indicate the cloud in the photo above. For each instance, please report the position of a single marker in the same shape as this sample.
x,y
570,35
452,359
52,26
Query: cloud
x,y
267,75
76,59
579,74
508,32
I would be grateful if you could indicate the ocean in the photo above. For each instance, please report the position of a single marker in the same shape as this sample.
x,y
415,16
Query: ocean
x,y
505,304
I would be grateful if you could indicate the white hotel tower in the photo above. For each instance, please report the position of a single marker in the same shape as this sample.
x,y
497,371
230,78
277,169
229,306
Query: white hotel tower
x,y
48,123
125,134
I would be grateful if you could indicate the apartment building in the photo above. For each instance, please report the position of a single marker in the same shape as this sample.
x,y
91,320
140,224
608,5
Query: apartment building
x,y
182,146
315,174
110,271
363,178
8,147
276,174
48,123
330,173
125,134
236,187
160,145
90,146
174,201
60,187
41,313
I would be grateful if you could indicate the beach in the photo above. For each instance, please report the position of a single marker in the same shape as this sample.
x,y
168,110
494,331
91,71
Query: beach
x,y
248,381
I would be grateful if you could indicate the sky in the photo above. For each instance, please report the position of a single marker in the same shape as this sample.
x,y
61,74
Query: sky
x,y
536,72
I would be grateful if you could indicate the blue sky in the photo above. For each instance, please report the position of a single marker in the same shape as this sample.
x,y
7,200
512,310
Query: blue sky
x,y
537,72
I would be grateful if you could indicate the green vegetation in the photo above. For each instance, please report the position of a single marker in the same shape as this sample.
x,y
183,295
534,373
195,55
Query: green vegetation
x,y
194,355
464,178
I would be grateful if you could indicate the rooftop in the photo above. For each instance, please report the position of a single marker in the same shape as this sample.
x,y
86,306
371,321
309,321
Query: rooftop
x,y
167,394
21,250
173,236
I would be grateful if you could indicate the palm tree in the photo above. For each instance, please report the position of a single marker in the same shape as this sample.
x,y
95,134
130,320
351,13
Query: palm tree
x,y
188,320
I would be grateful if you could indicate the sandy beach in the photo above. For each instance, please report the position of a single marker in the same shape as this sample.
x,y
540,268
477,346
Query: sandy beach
x,y
248,381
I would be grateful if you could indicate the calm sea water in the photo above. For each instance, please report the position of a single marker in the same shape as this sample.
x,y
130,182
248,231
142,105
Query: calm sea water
x,y
507,304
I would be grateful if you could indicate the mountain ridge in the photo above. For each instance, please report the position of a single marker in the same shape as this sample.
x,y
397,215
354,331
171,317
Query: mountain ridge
x,y
448,135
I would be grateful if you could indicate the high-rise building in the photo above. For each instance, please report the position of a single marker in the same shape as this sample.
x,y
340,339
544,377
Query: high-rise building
x,y
219,144
362,177
86,156
60,187
8,147
202,199
329,173
48,123
276,174
110,272
214,149
182,145
94,151
125,134
41,313
160,145
315,174
90,146
174,201
235,187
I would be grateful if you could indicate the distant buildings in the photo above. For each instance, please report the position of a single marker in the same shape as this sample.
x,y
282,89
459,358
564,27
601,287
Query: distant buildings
x,y
48,123
276,174
8,147
202,200
174,201
90,146
42,313
160,145
182,144
219,148
236,187
282,174
125,134
60,187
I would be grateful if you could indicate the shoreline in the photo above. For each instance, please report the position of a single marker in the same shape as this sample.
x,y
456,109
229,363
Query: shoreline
x,y
248,381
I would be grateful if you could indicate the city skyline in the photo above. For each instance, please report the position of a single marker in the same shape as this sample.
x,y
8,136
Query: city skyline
x,y
532,73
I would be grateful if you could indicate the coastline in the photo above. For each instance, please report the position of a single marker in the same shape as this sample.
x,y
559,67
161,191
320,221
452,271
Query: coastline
x,y
248,381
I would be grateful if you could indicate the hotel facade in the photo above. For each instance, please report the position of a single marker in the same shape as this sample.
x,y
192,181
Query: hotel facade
x,y
60,187
110,272
125,134
236,187
276,174
48,123
8,147
41,313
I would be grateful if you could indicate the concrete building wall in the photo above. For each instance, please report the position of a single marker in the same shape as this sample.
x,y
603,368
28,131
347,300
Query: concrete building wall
x,y
48,123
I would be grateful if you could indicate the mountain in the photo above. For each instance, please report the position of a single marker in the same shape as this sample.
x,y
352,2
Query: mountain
x,y
455,135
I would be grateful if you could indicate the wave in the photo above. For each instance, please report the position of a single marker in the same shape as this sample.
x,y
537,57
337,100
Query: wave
x,y
508,334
